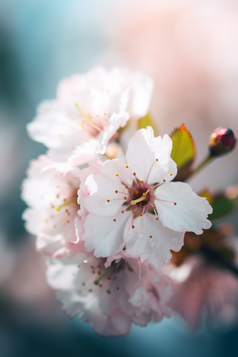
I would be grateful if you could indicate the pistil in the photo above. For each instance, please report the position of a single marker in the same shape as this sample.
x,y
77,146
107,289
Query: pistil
x,y
73,200
142,198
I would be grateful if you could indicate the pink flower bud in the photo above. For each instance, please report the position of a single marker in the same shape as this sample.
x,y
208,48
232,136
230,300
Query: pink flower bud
x,y
222,141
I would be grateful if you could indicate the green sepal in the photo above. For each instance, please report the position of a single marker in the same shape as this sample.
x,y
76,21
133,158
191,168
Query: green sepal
x,y
147,120
183,151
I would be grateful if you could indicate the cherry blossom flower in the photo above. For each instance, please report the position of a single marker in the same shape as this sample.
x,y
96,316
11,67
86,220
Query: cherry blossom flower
x,y
51,192
110,299
135,208
200,287
201,283
88,111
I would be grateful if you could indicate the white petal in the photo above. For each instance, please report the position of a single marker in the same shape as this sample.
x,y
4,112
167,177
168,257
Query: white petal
x,y
102,187
104,235
144,149
155,250
189,213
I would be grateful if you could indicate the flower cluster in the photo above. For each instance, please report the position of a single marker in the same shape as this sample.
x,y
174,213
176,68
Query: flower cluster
x,y
108,225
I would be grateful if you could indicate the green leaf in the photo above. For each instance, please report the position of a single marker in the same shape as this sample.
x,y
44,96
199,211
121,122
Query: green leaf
x,y
183,151
147,121
223,205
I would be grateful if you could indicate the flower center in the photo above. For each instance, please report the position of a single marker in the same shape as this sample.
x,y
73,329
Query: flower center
x,y
140,196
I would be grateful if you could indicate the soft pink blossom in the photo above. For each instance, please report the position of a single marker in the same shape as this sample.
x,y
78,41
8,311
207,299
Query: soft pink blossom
x,y
118,298
51,192
200,286
88,111
136,207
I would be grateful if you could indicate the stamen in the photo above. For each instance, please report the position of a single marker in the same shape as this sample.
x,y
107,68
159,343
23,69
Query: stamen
x,y
73,200
132,223
150,170
159,199
123,193
124,182
149,224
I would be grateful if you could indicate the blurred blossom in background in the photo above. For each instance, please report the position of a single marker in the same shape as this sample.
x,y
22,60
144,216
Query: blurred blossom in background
x,y
190,49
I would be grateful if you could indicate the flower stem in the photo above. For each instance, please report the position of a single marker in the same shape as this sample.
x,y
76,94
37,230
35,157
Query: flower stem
x,y
201,166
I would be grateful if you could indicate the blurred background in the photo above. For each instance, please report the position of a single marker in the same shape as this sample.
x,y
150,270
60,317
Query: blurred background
x,y
190,49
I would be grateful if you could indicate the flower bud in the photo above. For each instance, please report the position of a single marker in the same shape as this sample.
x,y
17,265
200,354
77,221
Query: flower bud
x,y
222,141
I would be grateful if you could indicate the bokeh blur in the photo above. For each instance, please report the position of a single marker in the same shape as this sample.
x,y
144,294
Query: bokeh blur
x,y
189,47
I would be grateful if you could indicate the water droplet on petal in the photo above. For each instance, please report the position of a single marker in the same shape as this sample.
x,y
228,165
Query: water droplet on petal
x,y
168,256
155,244
85,261
139,235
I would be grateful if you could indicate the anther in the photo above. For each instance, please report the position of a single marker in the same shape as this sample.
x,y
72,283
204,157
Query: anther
x,y
141,214
175,203
78,266
117,175
164,180
134,173
133,226
116,191
100,285
108,201
144,194
89,290
105,113
114,278
114,219
157,159
63,232
118,288
126,186
127,166
125,198
151,236
136,192
157,218
122,211
170,174
134,210
142,181
108,291
63,223
109,278
154,207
